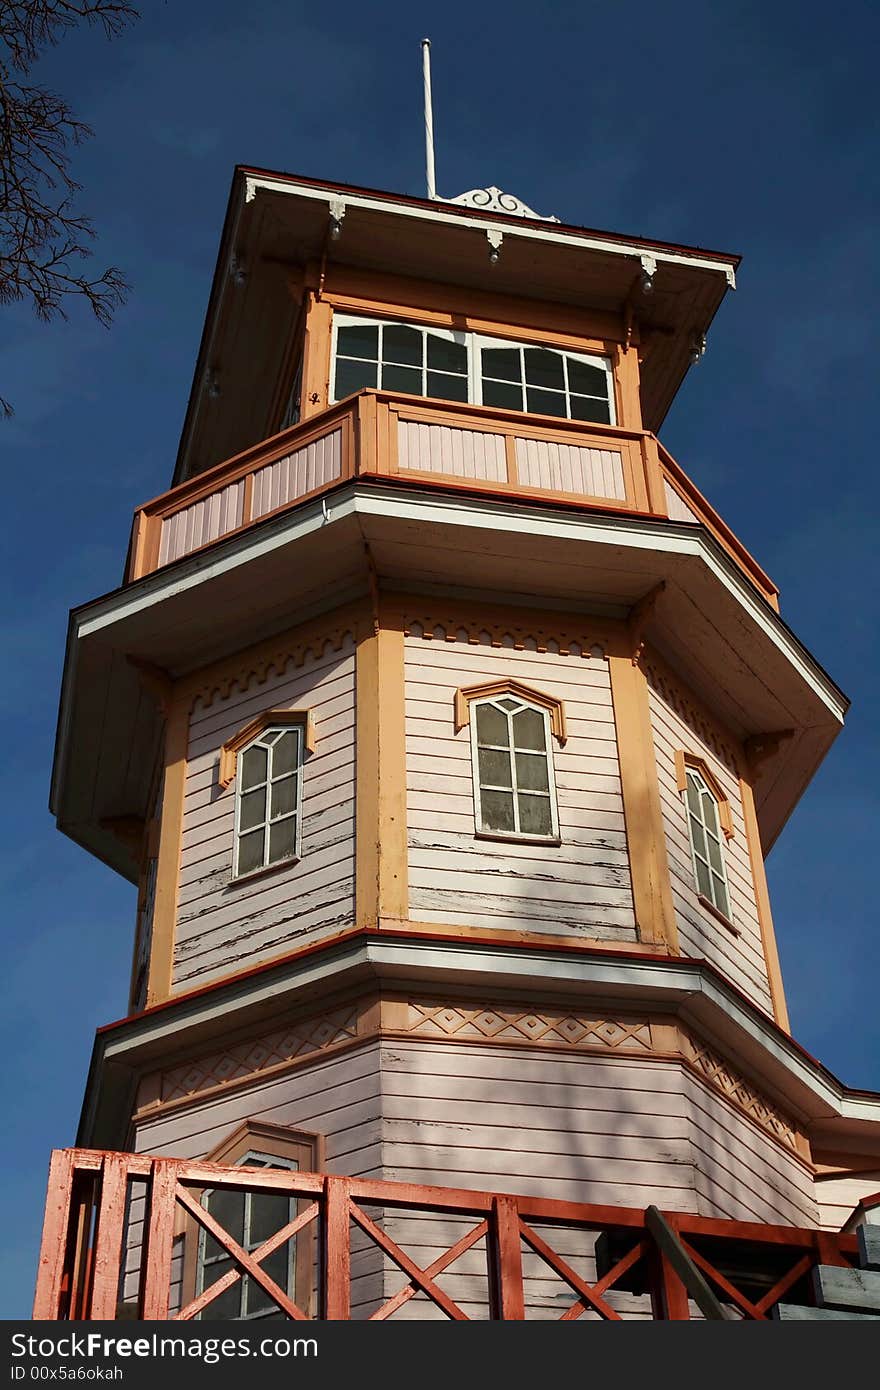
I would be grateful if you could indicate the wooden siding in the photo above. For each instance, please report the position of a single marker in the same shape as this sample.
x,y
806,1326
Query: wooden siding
x,y
458,453
317,465
201,523
740,957
224,925
339,1098
837,1197
580,886
677,507
569,468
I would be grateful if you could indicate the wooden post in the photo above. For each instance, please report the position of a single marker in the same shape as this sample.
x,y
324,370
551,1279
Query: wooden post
x,y
160,1240
507,1281
161,966
381,865
108,1238
762,901
316,357
53,1248
337,1250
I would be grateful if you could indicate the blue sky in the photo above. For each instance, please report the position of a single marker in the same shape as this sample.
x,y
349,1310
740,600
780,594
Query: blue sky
x,y
745,127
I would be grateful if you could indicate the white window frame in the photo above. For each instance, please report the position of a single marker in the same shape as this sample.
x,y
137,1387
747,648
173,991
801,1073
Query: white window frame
x,y
527,836
252,1159
474,343
589,359
241,792
716,833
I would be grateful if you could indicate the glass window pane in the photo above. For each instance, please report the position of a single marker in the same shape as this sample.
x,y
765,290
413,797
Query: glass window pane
x,y
544,368
698,837
407,379
534,815
703,881
226,1305
503,364
269,1212
491,726
353,376
502,395
710,811
494,768
227,1208
715,855
546,402
583,408
253,767
693,796
402,345
529,729
446,356
497,810
253,809
282,839
358,340
586,380
508,704
531,772
720,896
284,754
283,799
447,388
250,852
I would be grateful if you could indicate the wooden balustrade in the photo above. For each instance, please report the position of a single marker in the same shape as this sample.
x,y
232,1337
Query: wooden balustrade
x,y
116,1228
440,443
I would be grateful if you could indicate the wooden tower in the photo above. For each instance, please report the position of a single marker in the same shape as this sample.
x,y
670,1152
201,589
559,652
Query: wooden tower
x,y
444,727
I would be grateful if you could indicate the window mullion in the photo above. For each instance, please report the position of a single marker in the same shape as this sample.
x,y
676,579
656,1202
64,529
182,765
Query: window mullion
x,y
513,780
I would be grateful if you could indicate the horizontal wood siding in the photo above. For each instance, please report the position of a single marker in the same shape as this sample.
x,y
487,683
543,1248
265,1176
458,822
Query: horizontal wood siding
x,y
201,523
580,886
676,506
339,1098
837,1197
317,465
570,468
457,453
740,957
224,925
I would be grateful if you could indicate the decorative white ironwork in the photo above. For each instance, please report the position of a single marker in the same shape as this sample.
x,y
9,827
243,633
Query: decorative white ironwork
x,y
492,199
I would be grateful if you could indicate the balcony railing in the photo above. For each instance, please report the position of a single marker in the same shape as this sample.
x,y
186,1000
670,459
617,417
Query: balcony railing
x,y
434,442
122,1239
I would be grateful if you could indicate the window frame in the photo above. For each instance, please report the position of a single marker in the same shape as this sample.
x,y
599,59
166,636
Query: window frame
x,y
474,343
476,702
293,726
690,767
306,1149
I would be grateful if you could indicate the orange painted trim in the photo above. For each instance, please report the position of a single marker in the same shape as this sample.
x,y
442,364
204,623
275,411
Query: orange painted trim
x,y
643,817
316,356
161,966
465,695
381,871
762,901
230,750
683,761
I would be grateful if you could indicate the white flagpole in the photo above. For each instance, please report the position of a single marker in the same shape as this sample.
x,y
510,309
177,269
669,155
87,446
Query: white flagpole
x,y
429,119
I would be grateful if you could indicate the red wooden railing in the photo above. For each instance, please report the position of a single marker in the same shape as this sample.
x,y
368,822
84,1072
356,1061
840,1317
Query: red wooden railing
x,y
450,444
115,1225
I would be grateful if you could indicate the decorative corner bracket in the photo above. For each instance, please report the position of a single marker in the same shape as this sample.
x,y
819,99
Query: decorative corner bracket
x,y
638,618
489,689
494,237
233,746
337,213
762,746
155,679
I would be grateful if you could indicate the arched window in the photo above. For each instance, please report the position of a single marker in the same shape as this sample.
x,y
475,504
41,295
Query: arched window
x,y
268,796
514,786
704,807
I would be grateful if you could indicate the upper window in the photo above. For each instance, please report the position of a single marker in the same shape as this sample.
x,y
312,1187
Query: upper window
x,y
704,826
267,813
467,367
514,787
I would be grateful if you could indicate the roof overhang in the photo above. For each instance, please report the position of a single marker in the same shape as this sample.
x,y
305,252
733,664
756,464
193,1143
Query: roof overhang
x,y
688,988
278,223
736,651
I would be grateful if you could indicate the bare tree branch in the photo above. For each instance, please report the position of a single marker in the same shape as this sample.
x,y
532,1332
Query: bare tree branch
x,y
44,241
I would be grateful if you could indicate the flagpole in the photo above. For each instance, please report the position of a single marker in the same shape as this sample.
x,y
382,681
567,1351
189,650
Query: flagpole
x,y
429,120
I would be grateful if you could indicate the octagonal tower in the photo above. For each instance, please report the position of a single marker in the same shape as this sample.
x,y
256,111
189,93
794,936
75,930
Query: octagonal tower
x,y
444,727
